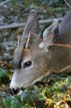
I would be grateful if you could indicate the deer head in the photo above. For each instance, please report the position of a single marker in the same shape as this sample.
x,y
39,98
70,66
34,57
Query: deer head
x,y
31,57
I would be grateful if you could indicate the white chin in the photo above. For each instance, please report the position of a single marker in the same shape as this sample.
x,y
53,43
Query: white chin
x,y
20,92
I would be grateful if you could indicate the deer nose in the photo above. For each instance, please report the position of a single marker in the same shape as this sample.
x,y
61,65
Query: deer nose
x,y
14,91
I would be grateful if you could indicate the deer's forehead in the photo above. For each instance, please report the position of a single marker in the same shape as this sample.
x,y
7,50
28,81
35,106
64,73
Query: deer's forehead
x,y
26,52
22,53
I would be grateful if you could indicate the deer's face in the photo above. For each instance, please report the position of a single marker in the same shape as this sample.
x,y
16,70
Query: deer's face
x,y
29,66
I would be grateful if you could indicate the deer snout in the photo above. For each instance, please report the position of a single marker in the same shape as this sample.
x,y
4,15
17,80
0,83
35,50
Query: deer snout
x,y
15,88
14,91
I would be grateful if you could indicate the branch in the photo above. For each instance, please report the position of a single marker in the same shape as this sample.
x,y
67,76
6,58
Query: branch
x,y
15,25
61,45
67,3
2,3
49,20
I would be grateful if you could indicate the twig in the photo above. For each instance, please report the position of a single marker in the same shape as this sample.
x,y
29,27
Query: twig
x,y
61,45
15,25
33,102
27,43
61,70
18,40
2,3
49,20
67,3
2,89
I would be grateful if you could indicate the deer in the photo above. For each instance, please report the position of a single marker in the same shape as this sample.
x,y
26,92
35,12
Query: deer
x,y
36,57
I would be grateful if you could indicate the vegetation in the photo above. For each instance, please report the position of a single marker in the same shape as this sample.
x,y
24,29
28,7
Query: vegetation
x,y
53,91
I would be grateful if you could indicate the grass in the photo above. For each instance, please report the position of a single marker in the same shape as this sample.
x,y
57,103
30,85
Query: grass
x,y
51,92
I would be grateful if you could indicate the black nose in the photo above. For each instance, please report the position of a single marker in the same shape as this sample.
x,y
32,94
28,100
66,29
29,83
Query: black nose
x,y
14,91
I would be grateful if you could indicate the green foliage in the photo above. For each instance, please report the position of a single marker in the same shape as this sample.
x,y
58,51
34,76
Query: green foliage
x,y
11,102
43,3
4,78
43,95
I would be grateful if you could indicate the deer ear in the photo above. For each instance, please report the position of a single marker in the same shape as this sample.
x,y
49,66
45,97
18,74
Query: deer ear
x,y
49,35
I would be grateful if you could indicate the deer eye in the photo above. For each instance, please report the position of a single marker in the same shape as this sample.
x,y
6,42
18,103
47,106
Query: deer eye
x,y
27,64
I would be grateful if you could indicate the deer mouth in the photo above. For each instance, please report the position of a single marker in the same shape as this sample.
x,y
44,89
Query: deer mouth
x,y
15,91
